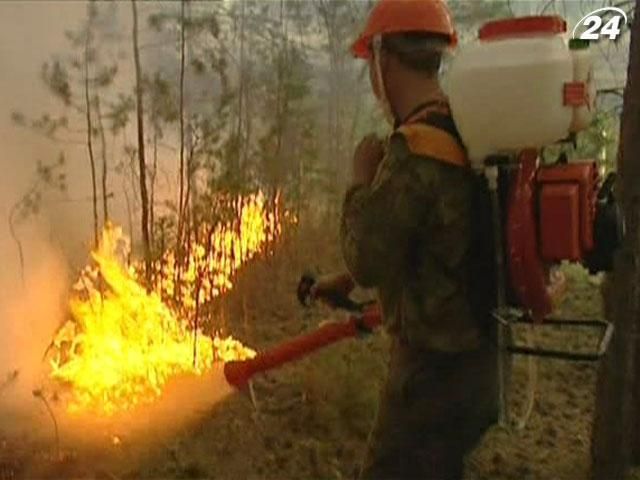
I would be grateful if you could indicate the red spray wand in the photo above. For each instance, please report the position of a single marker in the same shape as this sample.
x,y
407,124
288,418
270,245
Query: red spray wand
x,y
364,319
238,373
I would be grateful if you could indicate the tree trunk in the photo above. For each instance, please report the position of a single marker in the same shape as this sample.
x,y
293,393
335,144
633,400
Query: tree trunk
x,y
630,169
189,193
236,167
103,147
129,211
181,200
16,239
615,427
191,144
92,163
328,13
152,199
144,198
277,172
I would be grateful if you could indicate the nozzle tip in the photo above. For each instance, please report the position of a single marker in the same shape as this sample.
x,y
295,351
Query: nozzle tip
x,y
236,373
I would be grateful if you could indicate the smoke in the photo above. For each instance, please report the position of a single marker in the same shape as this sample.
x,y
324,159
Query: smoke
x,y
29,317
117,444
29,314
185,401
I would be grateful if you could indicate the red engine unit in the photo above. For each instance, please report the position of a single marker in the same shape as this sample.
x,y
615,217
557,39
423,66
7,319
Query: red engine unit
x,y
567,206
550,218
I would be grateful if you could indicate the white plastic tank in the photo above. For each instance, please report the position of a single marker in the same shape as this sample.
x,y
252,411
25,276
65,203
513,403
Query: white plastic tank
x,y
506,89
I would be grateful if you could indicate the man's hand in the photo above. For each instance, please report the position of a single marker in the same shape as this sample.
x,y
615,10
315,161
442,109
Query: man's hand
x,y
333,290
329,287
366,159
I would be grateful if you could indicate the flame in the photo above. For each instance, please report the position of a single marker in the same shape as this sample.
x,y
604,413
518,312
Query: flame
x,y
124,343
215,253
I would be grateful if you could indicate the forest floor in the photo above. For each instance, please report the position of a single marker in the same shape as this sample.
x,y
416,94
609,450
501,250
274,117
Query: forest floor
x,y
311,419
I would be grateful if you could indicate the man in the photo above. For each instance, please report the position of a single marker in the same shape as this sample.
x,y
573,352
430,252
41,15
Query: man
x,y
416,227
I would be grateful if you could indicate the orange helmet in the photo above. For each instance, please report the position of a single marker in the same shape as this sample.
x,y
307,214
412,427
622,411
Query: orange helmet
x,y
400,16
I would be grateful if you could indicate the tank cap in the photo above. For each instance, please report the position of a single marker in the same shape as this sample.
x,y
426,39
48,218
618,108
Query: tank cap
x,y
522,26
578,44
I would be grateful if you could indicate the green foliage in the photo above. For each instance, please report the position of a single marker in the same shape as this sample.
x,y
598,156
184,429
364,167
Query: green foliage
x,y
48,177
119,111
56,78
599,142
105,75
164,228
287,87
45,125
81,79
206,108
601,139
162,99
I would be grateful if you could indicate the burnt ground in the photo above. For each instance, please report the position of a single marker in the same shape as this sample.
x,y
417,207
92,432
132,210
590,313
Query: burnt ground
x,y
311,419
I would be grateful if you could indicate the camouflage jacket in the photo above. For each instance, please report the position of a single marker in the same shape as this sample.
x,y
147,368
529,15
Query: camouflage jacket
x,y
413,236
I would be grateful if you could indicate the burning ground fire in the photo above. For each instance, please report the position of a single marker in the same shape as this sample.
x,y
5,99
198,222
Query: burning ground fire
x,y
214,253
123,344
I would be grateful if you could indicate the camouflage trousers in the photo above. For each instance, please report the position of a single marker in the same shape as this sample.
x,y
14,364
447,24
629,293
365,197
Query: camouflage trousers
x,y
433,410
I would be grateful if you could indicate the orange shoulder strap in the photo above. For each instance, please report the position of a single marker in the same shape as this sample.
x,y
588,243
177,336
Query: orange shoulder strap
x,y
433,142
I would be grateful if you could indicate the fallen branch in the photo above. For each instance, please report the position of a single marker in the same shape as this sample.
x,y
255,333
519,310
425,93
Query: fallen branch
x,y
16,239
39,394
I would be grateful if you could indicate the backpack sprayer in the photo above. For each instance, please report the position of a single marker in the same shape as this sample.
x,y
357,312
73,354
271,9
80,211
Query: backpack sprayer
x,y
534,87
520,87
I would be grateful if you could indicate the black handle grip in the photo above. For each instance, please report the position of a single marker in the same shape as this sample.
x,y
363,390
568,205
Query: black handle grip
x,y
334,298
303,292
